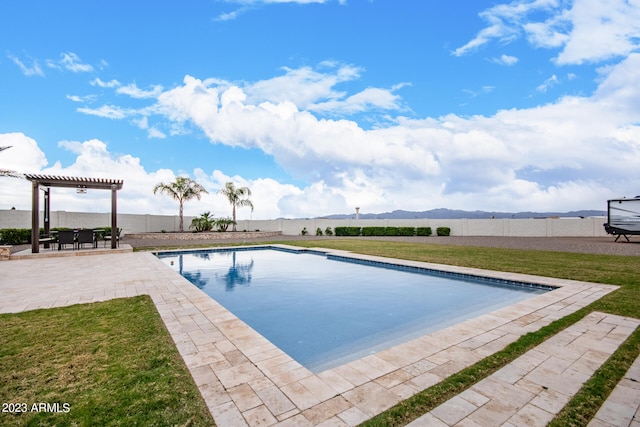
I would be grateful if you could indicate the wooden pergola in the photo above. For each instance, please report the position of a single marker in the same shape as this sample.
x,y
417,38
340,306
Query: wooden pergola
x,y
81,185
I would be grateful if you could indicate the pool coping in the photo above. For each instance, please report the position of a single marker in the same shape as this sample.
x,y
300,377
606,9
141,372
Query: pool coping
x,y
246,380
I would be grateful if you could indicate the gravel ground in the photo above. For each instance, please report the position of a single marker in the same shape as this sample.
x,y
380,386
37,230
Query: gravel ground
x,y
592,245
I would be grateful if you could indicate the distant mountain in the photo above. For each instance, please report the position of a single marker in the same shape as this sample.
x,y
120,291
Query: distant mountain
x,y
459,214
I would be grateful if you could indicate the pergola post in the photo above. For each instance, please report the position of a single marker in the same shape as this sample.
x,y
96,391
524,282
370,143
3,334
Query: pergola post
x,y
47,216
35,217
114,216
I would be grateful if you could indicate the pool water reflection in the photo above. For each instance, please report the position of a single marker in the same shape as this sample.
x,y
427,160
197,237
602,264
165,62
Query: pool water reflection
x,y
325,312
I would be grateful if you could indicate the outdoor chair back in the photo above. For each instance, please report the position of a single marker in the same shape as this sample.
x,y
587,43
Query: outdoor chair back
x,y
86,236
66,237
108,237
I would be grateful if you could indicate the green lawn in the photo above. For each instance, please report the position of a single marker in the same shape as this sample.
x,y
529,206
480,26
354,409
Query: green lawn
x,y
623,271
103,364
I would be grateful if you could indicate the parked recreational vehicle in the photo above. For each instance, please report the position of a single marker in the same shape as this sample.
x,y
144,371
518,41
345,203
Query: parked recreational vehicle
x,y
623,217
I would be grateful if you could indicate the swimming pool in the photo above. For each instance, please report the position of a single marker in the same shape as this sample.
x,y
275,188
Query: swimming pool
x,y
326,310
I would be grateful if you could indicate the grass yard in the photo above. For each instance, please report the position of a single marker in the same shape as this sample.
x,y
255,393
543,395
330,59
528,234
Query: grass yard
x,y
110,363
623,271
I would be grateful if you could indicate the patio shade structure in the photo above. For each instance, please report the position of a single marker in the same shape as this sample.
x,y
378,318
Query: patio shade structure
x,y
81,184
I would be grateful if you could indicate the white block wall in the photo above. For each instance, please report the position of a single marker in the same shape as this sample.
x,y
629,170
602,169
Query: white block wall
x,y
132,223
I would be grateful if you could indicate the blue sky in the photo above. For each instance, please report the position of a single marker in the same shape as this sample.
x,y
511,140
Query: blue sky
x,y
322,106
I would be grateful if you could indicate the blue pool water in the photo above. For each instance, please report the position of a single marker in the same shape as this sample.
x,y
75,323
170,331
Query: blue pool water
x,y
325,312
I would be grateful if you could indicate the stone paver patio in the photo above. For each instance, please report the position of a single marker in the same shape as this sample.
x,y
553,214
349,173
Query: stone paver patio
x,y
533,389
245,379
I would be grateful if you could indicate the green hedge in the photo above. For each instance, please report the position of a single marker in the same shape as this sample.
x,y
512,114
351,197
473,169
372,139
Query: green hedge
x,y
423,231
373,231
15,236
384,231
347,231
443,231
406,231
22,236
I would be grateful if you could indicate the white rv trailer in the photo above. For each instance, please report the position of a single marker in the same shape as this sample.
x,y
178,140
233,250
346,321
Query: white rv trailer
x,y
623,217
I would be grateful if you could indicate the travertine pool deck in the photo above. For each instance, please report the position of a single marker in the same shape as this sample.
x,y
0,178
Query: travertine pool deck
x,y
244,378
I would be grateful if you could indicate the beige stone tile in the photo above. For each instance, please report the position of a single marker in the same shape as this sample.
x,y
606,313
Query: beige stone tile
x,y
275,400
227,415
244,397
510,373
203,375
419,367
404,391
568,383
239,374
259,416
353,416
379,366
427,420
260,383
474,398
289,376
424,381
468,422
531,416
295,421
288,414
349,374
504,392
447,369
300,395
492,414
333,422
335,381
280,359
318,388
214,394
326,410
394,378
551,401
371,398
454,410
558,365
283,368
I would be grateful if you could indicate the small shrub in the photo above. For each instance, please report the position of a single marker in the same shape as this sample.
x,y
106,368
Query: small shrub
x,y
304,231
423,231
328,231
443,231
204,222
222,224
318,231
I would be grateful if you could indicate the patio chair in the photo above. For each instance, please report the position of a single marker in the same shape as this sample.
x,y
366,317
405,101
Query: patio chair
x,y
86,236
107,237
66,237
47,240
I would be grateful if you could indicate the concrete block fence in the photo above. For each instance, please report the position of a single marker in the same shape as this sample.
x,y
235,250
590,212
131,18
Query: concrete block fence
x,y
136,223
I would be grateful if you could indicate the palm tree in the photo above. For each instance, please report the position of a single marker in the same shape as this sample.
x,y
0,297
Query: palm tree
x,y
237,197
182,189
